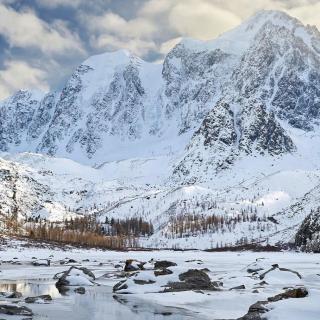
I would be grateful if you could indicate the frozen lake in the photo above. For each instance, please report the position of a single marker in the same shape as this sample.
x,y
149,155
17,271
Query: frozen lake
x,y
99,302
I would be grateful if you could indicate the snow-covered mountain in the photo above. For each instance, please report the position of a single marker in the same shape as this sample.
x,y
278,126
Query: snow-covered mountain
x,y
224,127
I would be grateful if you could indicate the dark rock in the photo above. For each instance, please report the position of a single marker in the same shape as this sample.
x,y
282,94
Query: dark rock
x,y
193,279
15,310
129,267
62,277
142,282
291,293
164,264
45,297
72,261
217,283
241,287
41,262
257,310
120,286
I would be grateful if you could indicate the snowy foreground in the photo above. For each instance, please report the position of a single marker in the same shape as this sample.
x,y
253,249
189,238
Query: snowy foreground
x,y
98,302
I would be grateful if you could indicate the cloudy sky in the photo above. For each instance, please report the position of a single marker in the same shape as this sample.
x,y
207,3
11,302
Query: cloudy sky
x,y
42,41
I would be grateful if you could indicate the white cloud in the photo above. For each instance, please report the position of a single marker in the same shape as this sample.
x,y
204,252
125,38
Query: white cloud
x,y
137,46
308,13
158,21
201,19
19,75
113,23
111,31
24,29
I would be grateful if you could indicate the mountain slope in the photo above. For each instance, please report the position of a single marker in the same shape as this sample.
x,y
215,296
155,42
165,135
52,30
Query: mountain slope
x,y
228,132
225,130
119,99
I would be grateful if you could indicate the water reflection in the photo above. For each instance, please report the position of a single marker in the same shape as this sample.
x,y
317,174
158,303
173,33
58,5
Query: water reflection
x,y
34,287
98,303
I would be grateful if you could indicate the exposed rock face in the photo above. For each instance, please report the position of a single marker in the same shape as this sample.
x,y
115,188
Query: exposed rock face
x,y
230,131
281,63
308,235
191,99
16,114
21,194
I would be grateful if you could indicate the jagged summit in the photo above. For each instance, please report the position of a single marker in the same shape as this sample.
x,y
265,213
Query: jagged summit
x,y
238,39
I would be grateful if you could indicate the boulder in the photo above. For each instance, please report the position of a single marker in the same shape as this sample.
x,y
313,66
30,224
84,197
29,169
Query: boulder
x,y
192,279
300,292
75,276
15,310
41,263
164,264
133,265
257,310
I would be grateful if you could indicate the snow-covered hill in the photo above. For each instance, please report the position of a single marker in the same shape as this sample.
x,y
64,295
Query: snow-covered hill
x,y
225,128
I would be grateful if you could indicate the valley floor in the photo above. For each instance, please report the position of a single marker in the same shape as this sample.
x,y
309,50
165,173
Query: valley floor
x,y
18,274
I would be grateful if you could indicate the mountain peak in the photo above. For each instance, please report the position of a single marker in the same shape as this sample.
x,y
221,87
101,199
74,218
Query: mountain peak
x,y
117,57
237,40
279,18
